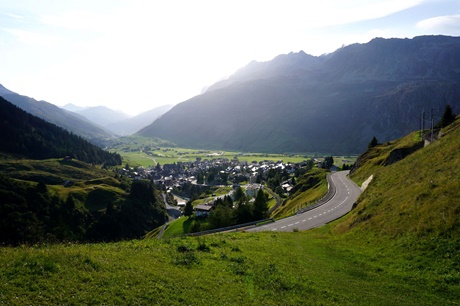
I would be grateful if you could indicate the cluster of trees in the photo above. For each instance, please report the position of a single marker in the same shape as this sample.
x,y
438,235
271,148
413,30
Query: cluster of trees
x,y
30,214
227,213
28,136
328,162
274,177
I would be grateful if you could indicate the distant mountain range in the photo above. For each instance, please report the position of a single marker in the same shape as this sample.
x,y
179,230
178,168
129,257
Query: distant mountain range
x,y
118,122
333,103
68,120
96,124
100,115
131,125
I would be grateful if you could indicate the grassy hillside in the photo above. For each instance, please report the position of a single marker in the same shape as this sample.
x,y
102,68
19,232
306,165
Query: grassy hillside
x,y
309,188
226,269
417,196
69,200
384,154
399,246
51,171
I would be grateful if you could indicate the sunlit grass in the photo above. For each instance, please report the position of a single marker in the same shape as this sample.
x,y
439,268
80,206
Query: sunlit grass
x,y
230,269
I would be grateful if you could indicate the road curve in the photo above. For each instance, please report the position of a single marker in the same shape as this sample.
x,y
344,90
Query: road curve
x,y
347,192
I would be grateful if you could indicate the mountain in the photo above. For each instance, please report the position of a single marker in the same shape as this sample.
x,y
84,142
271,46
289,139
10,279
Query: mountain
x,y
28,136
73,108
61,117
333,103
102,115
134,124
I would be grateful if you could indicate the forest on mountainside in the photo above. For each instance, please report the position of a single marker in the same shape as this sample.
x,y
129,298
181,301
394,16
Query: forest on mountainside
x,y
27,136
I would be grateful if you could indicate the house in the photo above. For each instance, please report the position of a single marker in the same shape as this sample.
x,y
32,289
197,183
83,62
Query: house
x,y
251,190
287,187
203,210
253,178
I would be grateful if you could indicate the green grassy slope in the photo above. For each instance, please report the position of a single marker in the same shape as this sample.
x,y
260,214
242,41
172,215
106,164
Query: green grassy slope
x,y
309,188
92,185
417,196
375,158
226,269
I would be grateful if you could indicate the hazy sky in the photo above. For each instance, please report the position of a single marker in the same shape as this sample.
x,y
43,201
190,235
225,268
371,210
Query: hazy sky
x,y
135,55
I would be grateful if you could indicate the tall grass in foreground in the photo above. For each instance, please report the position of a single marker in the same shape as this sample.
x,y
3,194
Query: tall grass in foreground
x,y
224,269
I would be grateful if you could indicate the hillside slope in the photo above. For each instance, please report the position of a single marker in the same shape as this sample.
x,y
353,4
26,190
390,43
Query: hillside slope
x,y
63,118
25,135
417,196
332,104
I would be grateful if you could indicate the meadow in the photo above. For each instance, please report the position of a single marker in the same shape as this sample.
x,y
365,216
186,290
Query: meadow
x,y
299,268
147,152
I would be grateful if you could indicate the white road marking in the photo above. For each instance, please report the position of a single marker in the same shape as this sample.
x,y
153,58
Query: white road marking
x,y
283,226
309,218
304,220
297,223
291,224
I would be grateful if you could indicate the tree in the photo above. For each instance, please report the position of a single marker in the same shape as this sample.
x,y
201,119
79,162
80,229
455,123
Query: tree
x,y
188,209
447,118
374,142
239,194
328,162
221,216
200,178
260,210
243,212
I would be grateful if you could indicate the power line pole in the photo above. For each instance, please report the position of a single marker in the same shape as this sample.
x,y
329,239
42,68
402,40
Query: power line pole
x,y
432,125
422,123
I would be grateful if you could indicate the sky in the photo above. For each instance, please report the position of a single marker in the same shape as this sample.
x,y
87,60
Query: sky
x,y
135,55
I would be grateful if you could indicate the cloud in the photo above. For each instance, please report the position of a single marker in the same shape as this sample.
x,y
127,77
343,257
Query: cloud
x,y
449,25
75,20
34,38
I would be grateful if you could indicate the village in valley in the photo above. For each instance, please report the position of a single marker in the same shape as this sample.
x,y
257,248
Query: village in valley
x,y
184,178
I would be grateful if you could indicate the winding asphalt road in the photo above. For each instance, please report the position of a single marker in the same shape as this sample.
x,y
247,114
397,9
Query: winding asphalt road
x,y
347,192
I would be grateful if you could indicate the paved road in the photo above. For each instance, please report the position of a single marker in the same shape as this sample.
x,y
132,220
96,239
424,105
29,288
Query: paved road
x,y
173,212
341,203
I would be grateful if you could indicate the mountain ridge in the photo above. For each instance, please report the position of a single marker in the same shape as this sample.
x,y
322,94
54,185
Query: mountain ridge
x,y
29,136
328,104
68,120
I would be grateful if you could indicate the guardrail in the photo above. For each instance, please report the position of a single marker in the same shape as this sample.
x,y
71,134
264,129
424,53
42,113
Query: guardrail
x,y
331,190
229,228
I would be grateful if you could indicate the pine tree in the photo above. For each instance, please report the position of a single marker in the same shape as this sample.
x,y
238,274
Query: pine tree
x,y
188,210
447,118
260,206
374,142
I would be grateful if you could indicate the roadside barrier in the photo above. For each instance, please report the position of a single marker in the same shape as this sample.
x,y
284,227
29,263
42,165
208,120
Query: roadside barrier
x,y
331,190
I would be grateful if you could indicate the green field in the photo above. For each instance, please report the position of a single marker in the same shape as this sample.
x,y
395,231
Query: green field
x,y
140,151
